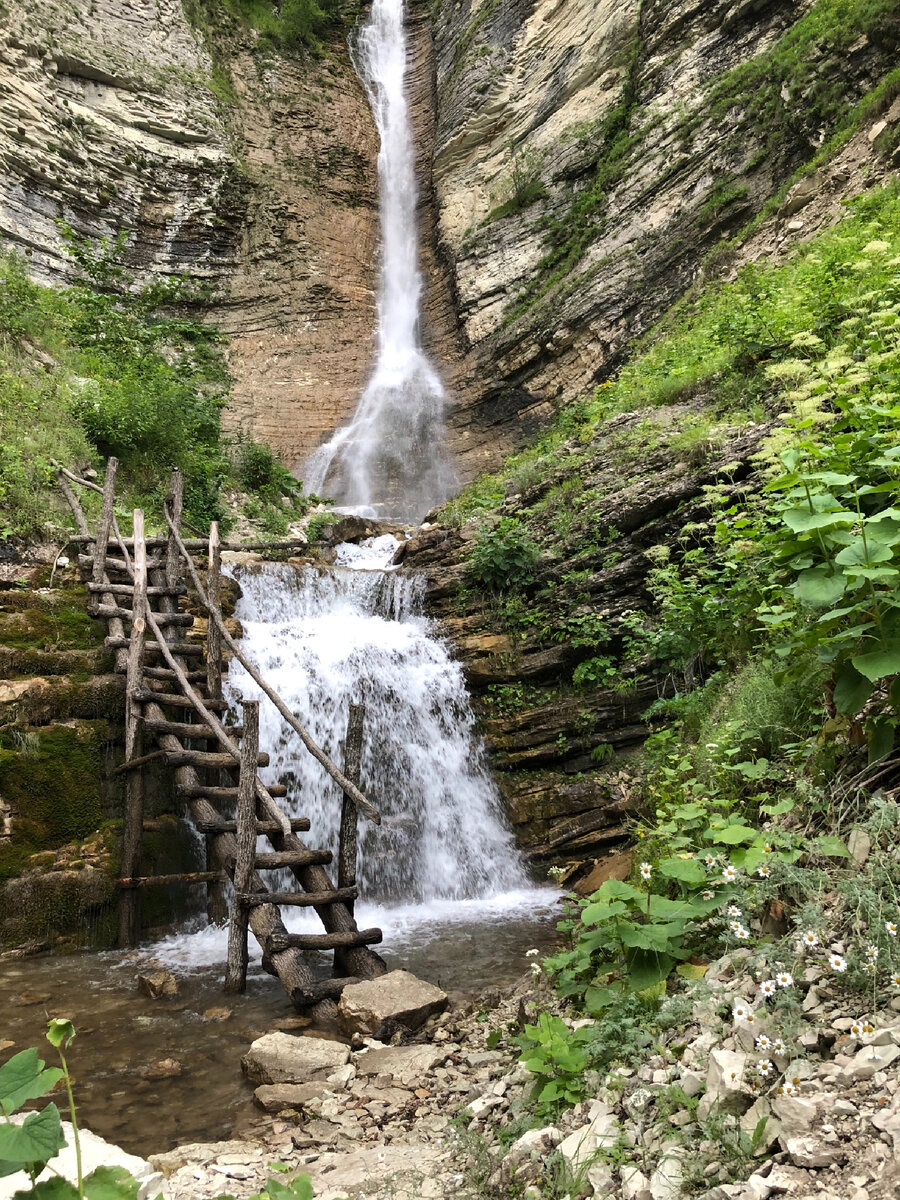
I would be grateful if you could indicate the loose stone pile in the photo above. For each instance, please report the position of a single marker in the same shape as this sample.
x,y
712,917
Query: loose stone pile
x,y
435,1113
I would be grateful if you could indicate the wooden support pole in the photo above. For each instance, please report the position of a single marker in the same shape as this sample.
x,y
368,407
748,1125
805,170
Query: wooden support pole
x,y
73,502
176,508
236,967
132,828
213,635
347,846
106,516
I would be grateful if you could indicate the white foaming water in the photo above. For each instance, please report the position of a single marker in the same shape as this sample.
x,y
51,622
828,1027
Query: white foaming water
x,y
442,855
390,460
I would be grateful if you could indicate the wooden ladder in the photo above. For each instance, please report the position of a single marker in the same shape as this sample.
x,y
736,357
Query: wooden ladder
x,y
174,701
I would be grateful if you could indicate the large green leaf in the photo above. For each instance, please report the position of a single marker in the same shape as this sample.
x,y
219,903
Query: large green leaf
x,y
111,1183
593,914
36,1140
24,1077
861,553
645,969
675,910
820,586
831,847
880,732
877,664
801,520
55,1188
652,937
851,690
731,835
688,870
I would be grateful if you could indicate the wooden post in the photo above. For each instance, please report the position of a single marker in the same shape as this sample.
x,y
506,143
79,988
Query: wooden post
x,y
132,828
176,508
213,635
106,518
347,849
236,968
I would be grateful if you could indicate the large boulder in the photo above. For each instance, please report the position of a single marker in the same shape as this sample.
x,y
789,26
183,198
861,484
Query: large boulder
x,y
282,1058
274,1097
405,1063
398,996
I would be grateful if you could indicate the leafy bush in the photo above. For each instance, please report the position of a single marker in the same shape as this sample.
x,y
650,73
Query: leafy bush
x,y
502,556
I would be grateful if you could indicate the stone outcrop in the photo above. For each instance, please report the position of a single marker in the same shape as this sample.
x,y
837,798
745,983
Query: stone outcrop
x,y
247,169
283,1058
585,165
398,998
559,750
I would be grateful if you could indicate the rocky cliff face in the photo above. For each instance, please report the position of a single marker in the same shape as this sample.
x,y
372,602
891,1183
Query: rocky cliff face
x,y
250,170
588,156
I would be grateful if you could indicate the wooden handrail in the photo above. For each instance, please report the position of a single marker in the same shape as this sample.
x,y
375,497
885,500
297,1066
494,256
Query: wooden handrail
x,y
347,786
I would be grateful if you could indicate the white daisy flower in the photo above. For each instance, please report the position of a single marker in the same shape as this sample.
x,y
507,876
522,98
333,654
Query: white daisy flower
x,y
809,939
729,873
707,894
733,910
872,953
778,1047
763,871
765,1067
837,963
855,1030
763,1042
741,1011
710,860
646,870
788,1088
784,979
891,928
767,989
741,933
895,979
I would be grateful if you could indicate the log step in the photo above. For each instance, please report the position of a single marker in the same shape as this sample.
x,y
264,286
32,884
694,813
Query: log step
x,y
298,824
184,729
322,989
206,758
198,791
168,673
301,899
323,941
146,695
118,564
185,649
113,610
127,589
292,858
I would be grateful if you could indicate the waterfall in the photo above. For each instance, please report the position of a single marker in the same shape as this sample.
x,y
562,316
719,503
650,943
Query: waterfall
x,y
390,460
324,639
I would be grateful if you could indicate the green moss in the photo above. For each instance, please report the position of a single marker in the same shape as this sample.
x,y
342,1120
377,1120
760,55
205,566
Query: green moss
x,y
52,625
51,777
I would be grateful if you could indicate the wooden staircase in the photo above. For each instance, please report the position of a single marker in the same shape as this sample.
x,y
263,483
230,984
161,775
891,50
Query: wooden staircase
x,y
174,704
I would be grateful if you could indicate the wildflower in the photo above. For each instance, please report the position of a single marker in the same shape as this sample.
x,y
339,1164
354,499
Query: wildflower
x,y
535,969
778,1047
556,872
765,1067
784,979
381,1157
729,874
710,860
707,894
646,870
767,848
872,953
868,1027
855,1029
891,927
767,988
741,1011
809,940
763,871
533,953
741,933
837,963
789,1088
895,979
763,1042
733,910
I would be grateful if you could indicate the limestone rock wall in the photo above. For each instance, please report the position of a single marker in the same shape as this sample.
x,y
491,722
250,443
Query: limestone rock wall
x,y
248,169
604,108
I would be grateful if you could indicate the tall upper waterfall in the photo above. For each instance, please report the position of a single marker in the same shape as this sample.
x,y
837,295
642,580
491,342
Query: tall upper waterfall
x,y
391,459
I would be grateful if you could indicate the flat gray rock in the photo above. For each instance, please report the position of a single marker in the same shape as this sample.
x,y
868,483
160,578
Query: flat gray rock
x,y
283,1058
397,996
274,1097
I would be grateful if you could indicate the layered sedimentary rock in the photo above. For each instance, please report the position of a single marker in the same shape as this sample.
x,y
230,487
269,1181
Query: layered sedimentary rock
x,y
249,169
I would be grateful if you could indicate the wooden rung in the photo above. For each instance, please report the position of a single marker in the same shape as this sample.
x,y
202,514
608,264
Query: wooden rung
x,y
184,729
198,791
298,824
168,673
189,877
127,589
118,564
167,699
113,610
206,758
185,649
322,941
292,858
322,989
301,899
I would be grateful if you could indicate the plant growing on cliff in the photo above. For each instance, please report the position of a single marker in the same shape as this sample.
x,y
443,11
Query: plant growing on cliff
x,y
503,556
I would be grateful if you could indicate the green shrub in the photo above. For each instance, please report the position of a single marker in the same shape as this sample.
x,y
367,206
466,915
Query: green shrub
x,y
503,556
